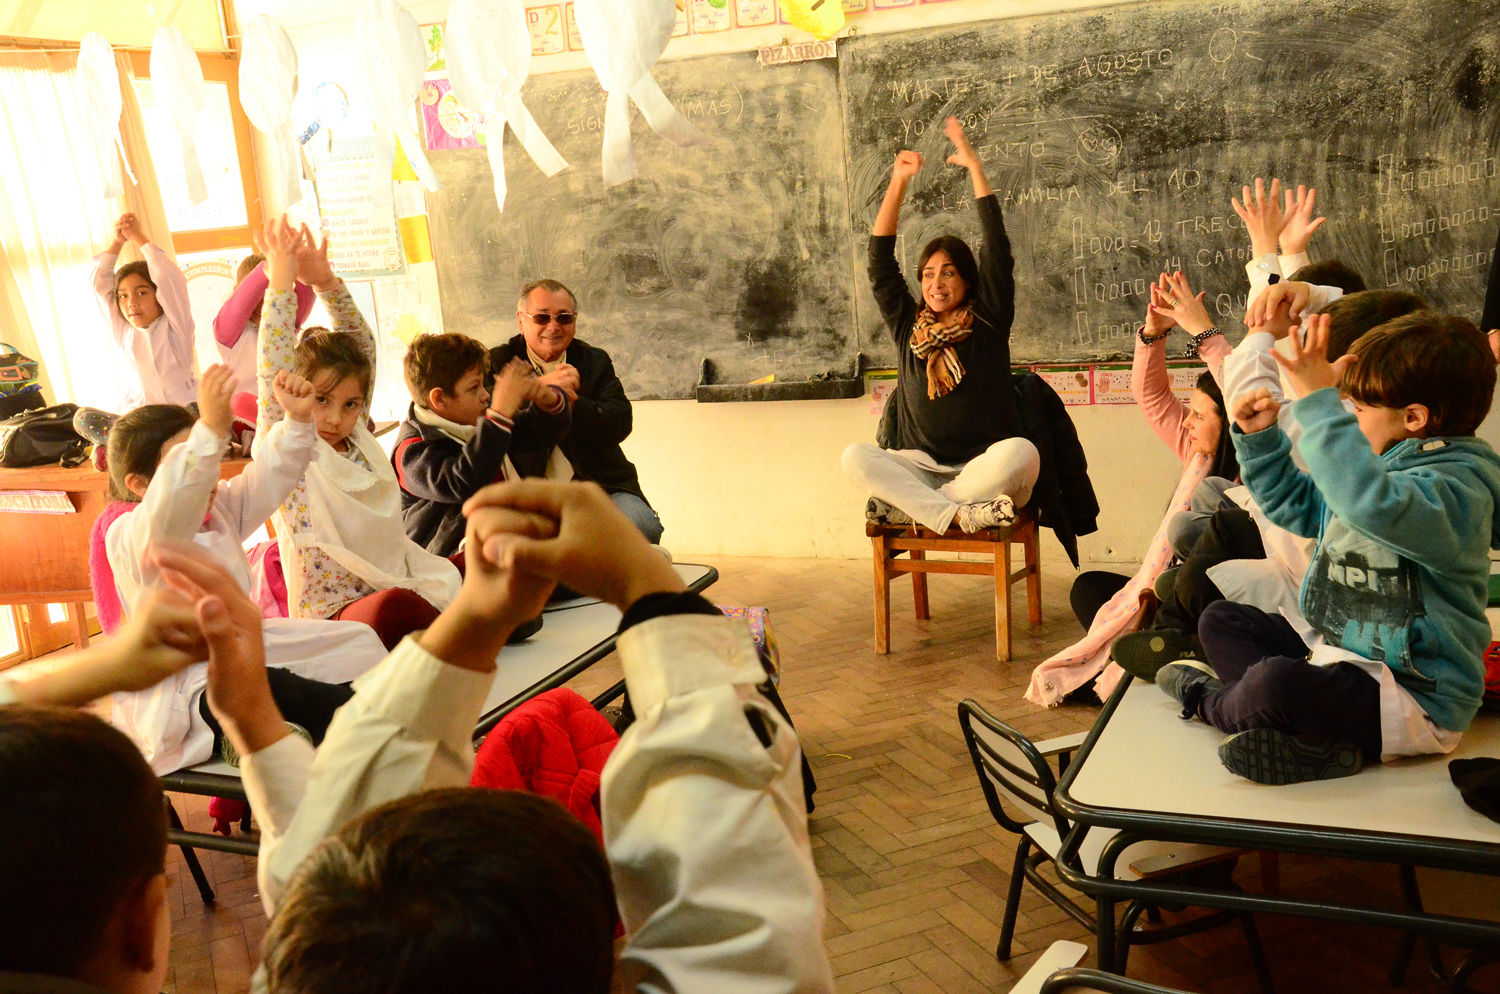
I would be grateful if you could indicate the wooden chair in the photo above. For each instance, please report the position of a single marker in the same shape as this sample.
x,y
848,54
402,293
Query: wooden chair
x,y
890,541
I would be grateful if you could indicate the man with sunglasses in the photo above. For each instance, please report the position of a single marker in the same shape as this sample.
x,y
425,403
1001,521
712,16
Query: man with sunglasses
x,y
547,315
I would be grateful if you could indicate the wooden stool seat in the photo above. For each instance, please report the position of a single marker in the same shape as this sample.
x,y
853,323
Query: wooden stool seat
x,y
889,541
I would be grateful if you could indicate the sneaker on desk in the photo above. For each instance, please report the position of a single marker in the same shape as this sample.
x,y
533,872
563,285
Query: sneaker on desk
x,y
1268,756
1186,681
997,513
1141,654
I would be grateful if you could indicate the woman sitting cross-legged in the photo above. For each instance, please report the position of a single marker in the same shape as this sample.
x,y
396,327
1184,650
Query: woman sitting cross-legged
x,y
956,452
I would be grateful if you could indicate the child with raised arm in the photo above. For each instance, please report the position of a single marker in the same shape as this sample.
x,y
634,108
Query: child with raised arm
x,y
343,548
150,324
459,436
1402,499
237,324
165,486
705,831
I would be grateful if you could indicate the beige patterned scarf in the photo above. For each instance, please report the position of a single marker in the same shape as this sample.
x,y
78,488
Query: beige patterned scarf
x,y
933,339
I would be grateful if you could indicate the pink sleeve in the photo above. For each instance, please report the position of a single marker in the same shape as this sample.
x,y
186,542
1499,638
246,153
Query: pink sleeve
x,y
230,322
1152,390
234,316
1213,352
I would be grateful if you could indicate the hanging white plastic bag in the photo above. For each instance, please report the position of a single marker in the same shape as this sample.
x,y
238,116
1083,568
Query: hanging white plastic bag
x,y
102,103
623,40
395,60
268,84
488,50
177,84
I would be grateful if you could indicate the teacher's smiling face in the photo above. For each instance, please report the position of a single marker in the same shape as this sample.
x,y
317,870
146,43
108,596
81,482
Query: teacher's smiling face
x,y
548,320
942,288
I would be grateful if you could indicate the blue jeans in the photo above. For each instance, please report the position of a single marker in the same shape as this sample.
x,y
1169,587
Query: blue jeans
x,y
640,515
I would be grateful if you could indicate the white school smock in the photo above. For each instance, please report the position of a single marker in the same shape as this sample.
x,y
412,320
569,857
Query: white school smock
x,y
164,720
162,352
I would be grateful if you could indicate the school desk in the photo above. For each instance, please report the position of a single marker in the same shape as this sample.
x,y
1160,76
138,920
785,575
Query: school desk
x,y
574,636
1152,776
46,514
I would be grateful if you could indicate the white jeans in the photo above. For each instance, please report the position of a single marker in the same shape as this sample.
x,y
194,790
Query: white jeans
x,y
931,492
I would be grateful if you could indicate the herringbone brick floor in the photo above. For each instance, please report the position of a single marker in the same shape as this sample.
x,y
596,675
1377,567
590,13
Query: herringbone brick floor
x,y
914,868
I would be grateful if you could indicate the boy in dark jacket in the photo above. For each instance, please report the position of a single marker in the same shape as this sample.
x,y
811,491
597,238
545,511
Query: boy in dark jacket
x,y
457,436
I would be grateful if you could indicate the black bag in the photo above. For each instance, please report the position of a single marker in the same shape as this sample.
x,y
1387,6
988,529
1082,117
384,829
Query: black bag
x,y
38,438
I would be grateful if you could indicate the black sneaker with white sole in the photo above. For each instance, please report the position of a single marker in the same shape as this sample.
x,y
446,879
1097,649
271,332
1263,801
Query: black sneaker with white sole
x,y
1141,654
1268,756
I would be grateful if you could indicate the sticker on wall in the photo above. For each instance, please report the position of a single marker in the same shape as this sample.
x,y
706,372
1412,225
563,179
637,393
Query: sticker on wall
x,y
1074,384
432,34
680,28
570,17
819,18
1183,377
888,4
710,16
447,123
856,6
1112,385
545,24
752,13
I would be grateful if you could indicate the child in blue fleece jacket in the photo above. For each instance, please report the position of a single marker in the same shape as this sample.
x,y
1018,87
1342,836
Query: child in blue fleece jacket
x,y
1402,499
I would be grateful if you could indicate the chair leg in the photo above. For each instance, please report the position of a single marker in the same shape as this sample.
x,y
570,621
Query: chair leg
x,y
1104,928
1257,954
882,596
919,586
190,858
1033,577
1124,932
1002,600
1013,899
1411,897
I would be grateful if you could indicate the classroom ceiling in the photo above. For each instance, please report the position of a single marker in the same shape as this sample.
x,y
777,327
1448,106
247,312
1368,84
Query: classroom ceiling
x,y
126,23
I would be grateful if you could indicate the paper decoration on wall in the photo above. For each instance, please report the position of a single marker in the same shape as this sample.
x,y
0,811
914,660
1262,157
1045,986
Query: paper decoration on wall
x,y
177,84
102,104
623,40
820,18
488,48
395,57
268,84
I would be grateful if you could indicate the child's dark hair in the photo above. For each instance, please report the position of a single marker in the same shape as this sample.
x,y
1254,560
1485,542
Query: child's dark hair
x,y
137,268
1352,315
963,261
135,442
322,352
448,890
1330,272
1225,463
1440,361
439,362
83,824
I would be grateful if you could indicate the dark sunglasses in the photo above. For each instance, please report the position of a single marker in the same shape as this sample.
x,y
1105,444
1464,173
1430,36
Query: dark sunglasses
x,y
564,319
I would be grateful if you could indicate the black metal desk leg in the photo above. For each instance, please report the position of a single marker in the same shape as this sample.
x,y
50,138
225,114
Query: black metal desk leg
x,y
1105,913
190,858
1412,899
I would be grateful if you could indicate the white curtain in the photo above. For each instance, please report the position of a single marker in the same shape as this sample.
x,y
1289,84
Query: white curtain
x,y
53,219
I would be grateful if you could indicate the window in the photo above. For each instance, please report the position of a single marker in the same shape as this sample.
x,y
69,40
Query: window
x,y
232,210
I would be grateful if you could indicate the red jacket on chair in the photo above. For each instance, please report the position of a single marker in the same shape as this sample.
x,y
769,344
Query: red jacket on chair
x,y
555,745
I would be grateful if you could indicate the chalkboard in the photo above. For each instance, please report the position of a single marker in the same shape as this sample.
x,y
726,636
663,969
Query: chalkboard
x,y
737,251
1115,138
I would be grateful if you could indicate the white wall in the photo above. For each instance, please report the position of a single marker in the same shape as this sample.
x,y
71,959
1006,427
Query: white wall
x,y
764,479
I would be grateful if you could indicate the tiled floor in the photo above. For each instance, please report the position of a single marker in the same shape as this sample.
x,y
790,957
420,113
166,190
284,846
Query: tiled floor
x,y
914,868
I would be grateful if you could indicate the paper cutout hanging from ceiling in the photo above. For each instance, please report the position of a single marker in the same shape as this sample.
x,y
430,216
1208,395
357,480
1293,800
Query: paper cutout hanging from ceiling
x,y
820,18
489,56
102,104
623,40
177,86
268,83
395,58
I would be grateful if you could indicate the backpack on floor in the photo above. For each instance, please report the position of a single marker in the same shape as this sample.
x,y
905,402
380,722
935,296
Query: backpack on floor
x,y
42,437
